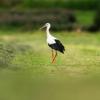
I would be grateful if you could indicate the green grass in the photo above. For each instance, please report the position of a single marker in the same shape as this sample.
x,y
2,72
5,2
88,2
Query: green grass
x,y
26,72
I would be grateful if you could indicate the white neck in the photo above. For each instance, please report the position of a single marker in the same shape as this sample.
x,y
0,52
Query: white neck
x,y
47,31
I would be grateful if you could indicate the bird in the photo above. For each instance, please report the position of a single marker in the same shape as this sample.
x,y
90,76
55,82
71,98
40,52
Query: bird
x,y
53,42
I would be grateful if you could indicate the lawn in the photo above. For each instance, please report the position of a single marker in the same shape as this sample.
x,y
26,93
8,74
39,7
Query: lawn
x,y
26,72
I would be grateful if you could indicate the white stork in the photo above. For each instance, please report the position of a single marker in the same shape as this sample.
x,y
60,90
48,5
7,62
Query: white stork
x,y
53,42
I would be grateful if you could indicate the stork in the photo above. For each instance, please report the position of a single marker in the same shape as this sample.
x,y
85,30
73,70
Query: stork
x,y
53,42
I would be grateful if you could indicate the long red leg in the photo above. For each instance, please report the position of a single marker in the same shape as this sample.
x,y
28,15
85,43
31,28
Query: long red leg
x,y
52,54
53,60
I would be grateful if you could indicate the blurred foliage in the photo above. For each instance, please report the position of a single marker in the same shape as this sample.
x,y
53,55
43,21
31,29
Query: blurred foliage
x,y
31,14
31,19
95,26
73,4
61,19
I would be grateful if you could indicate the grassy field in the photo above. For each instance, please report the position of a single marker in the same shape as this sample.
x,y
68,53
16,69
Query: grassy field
x,y
26,72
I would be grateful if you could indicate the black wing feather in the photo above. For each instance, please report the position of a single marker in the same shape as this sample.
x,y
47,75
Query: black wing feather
x,y
60,46
57,46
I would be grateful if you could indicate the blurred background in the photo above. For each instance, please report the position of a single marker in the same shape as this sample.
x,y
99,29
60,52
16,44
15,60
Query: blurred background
x,y
26,72
62,14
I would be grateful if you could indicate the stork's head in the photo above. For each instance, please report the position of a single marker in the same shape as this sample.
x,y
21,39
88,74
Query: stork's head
x,y
46,25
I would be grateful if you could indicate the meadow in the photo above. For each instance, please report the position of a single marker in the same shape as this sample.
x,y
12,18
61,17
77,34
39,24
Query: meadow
x,y
26,71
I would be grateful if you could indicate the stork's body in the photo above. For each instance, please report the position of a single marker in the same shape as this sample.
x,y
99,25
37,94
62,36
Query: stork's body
x,y
53,42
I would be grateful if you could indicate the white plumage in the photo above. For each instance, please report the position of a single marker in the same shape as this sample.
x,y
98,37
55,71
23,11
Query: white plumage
x,y
50,38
